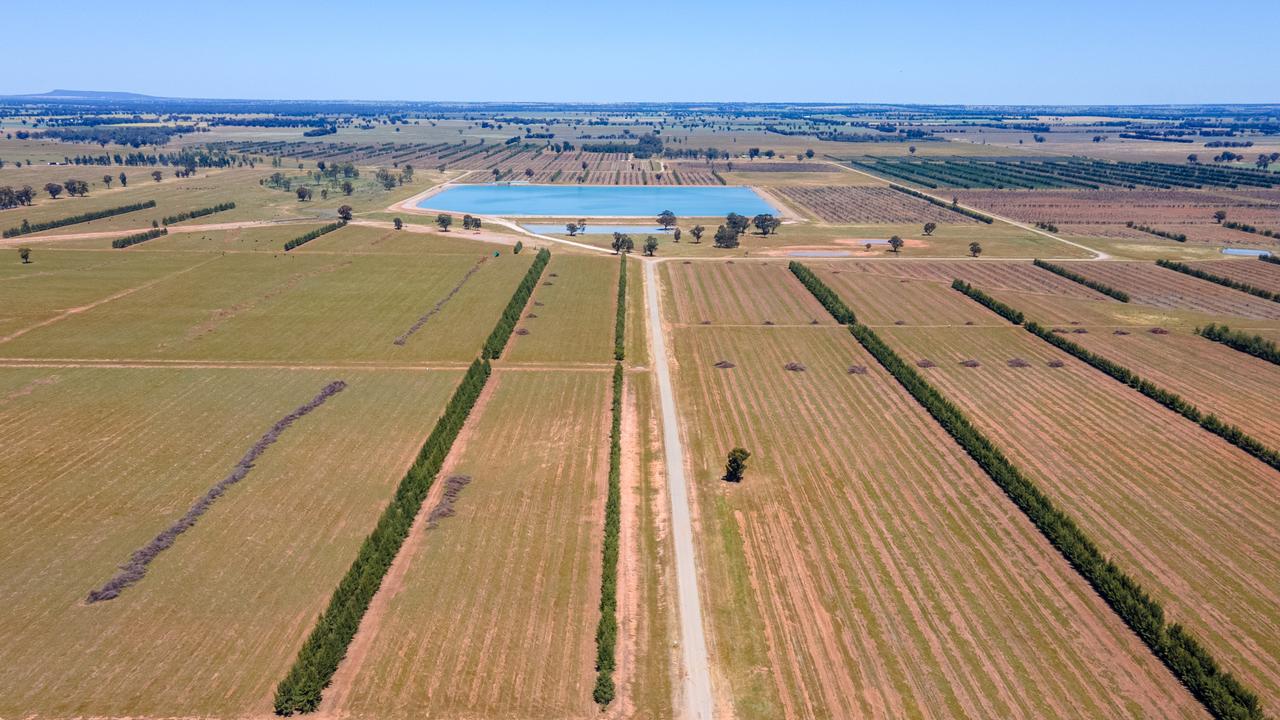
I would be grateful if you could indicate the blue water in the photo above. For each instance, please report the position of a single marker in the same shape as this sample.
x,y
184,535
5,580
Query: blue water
x,y
598,200
558,229
1243,251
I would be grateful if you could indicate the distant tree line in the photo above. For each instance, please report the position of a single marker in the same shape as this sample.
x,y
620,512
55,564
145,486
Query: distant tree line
x,y
646,146
128,240
28,227
1177,237
134,136
1120,295
201,212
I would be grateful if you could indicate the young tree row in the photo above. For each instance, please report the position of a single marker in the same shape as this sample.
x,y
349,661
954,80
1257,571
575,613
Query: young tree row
x,y
29,227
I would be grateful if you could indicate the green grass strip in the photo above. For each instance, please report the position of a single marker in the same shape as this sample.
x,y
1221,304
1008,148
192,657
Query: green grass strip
x,y
497,341
27,227
1221,694
1220,280
1254,345
620,324
301,689
607,629
1056,269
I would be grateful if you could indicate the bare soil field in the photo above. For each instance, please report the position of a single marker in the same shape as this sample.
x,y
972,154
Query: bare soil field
x,y
851,575
1149,284
1181,510
496,613
1254,272
98,461
855,205
988,274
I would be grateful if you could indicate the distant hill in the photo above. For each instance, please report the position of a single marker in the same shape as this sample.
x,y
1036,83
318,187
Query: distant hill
x,y
86,95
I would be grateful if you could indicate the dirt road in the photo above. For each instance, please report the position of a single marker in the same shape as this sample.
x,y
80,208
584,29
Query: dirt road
x,y
696,678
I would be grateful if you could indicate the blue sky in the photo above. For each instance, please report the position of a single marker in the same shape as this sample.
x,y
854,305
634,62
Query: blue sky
x,y
798,50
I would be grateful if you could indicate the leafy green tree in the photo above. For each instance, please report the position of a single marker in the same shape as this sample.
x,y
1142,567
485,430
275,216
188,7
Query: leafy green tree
x,y
736,223
572,229
808,154
650,245
107,180
667,219
929,227
895,243
398,223
582,225
696,231
157,175
736,465
347,187
54,190
444,220
726,238
304,193
975,249
124,180
622,243
675,235
1220,215
344,212
24,254
519,246
766,223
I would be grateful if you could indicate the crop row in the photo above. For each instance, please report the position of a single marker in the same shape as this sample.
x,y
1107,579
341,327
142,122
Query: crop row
x,y
1222,695
308,237
841,204
953,207
1220,280
1255,345
201,212
28,227
502,332
1103,288
127,240
607,629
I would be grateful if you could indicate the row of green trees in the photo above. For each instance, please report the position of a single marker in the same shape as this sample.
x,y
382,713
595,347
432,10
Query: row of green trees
x,y
200,212
620,323
1219,691
1255,345
127,240
1120,295
607,629
1176,237
317,661
1224,281
1270,259
511,315
992,304
952,206
308,237
1246,227
30,227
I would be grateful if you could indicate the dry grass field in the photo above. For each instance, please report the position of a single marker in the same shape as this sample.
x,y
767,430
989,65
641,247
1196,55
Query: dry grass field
x,y
570,317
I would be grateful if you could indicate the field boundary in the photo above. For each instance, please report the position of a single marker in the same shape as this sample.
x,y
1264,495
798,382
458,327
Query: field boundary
x,y
1220,693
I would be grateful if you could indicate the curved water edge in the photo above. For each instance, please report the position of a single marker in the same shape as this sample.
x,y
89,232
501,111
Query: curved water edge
x,y
587,201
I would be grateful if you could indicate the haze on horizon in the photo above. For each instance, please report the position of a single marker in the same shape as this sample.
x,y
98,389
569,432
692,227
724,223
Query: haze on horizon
x,y
574,51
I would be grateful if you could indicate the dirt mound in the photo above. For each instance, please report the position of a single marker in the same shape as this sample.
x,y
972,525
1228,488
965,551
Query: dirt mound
x,y
1158,331
443,509
522,331
795,367
970,363
926,363
1120,332
724,364
1018,363
857,370
1056,363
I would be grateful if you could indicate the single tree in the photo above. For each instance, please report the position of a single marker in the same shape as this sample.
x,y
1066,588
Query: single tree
x,y
736,223
675,235
808,154
726,238
475,224
496,174
444,220
650,245
667,219
347,187
528,172
912,149
54,190
1193,158
324,193
76,187
398,223
572,229
736,465
929,227
107,180
519,246
303,193
622,243
696,231
156,175
344,212
582,225
895,243
24,254
975,249
1220,215
766,223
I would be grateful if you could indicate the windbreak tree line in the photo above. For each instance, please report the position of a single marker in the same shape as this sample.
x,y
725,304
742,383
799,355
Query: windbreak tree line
x,y
1120,295
506,324
28,227
128,240
308,237
200,212
1221,694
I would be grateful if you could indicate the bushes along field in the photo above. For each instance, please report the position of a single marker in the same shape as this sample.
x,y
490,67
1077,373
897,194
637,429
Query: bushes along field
x,y
1255,345
1120,295
1222,695
27,227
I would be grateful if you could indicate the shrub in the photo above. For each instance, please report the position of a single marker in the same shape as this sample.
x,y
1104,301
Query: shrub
x,y
502,332
127,240
1076,277
28,227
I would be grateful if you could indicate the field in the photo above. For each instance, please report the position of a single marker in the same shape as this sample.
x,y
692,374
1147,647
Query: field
x,y
852,205
834,522
1158,287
